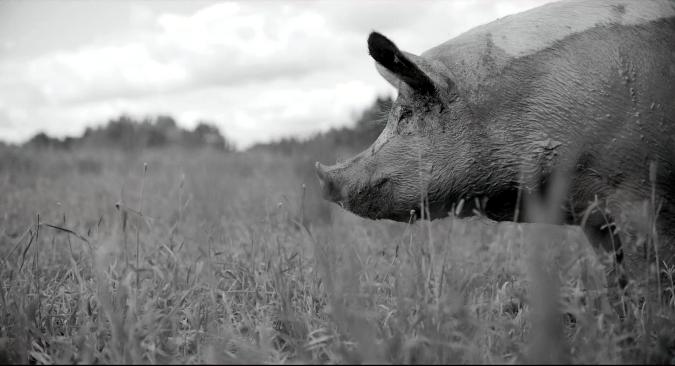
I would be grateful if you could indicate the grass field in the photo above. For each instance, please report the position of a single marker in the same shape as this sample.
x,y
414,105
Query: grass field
x,y
203,257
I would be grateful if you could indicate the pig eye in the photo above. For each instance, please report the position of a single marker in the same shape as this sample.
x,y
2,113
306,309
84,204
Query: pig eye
x,y
403,118
405,113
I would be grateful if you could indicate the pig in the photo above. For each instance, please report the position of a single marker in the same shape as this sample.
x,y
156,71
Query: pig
x,y
583,90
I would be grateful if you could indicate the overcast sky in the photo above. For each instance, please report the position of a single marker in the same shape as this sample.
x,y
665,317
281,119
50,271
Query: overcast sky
x,y
259,70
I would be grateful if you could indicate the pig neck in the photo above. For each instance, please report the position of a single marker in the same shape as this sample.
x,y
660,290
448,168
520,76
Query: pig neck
x,y
505,157
481,168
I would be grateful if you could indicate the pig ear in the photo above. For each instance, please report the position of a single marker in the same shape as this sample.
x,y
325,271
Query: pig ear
x,y
391,78
397,65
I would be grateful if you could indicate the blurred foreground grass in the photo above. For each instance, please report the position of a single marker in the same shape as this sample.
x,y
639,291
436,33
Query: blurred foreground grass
x,y
204,257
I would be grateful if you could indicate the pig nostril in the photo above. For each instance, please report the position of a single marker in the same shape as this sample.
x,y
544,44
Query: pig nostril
x,y
330,189
331,192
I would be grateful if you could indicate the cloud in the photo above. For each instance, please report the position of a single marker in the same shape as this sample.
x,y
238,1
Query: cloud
x,y
5,120
9,125
102,72
383,16
224,44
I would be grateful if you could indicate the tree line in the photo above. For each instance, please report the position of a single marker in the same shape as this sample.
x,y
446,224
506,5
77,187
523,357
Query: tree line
x,y
125,132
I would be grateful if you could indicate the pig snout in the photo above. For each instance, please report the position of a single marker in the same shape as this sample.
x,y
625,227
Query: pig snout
x,y
330,189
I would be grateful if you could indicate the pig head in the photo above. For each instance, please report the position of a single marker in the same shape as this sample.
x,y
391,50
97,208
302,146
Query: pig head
x,y
429,154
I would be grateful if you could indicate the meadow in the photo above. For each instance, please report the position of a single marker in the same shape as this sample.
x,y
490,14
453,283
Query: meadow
x,y
200,256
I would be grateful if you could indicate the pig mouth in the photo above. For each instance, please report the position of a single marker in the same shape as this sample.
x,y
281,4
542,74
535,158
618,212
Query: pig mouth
x,y
412,213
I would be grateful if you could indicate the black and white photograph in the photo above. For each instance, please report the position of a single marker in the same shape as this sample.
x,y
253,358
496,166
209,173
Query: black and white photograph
x,y
337,182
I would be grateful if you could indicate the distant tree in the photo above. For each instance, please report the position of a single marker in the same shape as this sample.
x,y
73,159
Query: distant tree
x,y
122,132
42,141
69,142
165,123
156,138
209,135
129,133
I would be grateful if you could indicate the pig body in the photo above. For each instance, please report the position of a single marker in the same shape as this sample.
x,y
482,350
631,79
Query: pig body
x,y
579,89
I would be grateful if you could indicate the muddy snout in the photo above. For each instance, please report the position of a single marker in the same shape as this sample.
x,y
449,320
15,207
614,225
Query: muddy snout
x,y
330,189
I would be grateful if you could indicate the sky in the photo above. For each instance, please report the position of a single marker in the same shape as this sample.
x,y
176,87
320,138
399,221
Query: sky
x,y
259,70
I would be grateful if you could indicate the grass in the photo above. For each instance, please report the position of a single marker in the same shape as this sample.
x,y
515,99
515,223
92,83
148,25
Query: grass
x,y
198,257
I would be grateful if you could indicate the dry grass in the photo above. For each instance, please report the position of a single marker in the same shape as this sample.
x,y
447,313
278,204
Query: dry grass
x,y
211,258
